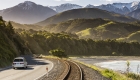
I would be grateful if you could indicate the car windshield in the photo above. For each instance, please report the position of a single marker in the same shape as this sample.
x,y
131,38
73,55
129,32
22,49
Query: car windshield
x,y
18,60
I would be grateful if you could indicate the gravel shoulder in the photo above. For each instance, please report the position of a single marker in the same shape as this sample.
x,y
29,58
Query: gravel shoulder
x,y
55,72
91,74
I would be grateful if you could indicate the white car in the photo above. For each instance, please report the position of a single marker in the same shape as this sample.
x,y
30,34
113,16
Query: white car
x,y
19,62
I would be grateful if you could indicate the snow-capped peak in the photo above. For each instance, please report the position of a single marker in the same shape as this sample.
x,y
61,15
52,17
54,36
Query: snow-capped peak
x,y
134,3
65,7
89,6
29,3
26,5
122,5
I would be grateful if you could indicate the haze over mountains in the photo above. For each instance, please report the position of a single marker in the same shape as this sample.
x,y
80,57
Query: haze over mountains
x,y
27,13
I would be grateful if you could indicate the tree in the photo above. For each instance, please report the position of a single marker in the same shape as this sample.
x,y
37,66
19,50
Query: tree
x,y
58,53
9,28
1,18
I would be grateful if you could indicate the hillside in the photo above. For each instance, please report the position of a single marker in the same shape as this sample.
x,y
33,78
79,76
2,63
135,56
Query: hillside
x,y
133,37
25,26
94,28
86,13
11,45
74,46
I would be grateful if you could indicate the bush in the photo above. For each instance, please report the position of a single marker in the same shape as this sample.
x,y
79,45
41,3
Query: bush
x,y
58,53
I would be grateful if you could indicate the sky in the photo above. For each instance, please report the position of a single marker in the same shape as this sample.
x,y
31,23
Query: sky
x,y
10,3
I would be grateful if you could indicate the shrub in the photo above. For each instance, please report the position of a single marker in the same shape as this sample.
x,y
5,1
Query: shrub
x,y
58,53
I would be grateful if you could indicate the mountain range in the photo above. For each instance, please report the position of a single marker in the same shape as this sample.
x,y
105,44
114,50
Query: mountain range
x,y
121,8
29,12
65,7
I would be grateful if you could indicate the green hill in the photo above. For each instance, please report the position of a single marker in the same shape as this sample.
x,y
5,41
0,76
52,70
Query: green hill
x,y
86,13
134,37
94,28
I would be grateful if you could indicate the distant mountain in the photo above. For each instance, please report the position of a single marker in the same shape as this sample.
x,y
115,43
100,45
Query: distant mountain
x,y
86,13
65,7
121,8
135,14
27,12
89,6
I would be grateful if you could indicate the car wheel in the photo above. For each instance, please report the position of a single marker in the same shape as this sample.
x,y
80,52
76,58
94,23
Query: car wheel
x,y
13,67
24,67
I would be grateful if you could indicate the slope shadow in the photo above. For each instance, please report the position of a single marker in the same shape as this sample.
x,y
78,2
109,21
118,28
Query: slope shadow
x,y
33,61
28,68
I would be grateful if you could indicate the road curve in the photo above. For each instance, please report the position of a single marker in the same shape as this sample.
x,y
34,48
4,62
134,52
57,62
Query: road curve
x,y
36,68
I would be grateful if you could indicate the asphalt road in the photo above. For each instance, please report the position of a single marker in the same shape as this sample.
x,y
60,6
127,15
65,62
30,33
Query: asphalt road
x,y
36,69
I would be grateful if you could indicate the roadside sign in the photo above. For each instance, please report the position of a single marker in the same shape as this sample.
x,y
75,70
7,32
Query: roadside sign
x,y
46,68
47,71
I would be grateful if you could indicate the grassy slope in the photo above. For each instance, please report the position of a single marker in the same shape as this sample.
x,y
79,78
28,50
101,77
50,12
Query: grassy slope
x,y
90,28
134,37
94,28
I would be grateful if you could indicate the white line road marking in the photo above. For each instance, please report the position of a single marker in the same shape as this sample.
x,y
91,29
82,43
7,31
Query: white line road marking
x,y
45,73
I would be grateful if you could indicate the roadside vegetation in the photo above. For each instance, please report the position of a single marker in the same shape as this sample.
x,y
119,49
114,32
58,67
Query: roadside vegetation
x,y
132,75
58,53
11,44
109,73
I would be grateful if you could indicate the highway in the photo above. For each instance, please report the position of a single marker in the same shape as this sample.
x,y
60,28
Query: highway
x,y
36,69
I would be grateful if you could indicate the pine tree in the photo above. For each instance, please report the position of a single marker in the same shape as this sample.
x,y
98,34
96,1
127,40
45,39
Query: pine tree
x,y
10,29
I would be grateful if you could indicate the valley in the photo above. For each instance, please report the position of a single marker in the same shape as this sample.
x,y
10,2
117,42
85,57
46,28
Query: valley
x,y
63,32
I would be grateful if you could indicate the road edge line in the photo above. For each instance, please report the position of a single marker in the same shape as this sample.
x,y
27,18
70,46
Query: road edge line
x,y
45,73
